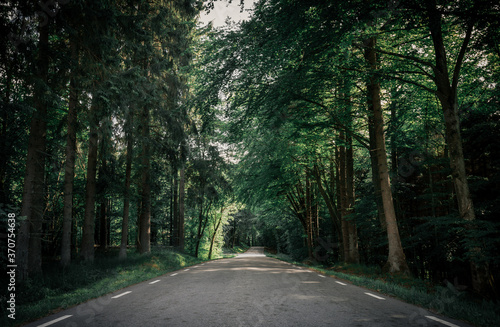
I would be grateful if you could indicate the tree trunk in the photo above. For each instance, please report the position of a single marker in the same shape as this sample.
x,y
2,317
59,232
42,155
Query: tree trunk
x,y
126,197
103,201
3,136
199,233
175,218
69,169
343,197
309,218
144,245
172,222
181,210
447,93
90,191
29,251
330,203
215,234
350,200
396,261
103,221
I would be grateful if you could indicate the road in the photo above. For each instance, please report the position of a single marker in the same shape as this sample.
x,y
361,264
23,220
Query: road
x,y
249,290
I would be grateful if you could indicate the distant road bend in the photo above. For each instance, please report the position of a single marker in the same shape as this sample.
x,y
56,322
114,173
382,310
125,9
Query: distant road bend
x,y
249,290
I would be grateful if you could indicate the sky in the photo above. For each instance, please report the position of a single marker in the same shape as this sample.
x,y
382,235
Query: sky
x,y
224,9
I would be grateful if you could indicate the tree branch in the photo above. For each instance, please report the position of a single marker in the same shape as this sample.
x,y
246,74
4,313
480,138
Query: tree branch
x,y
428,89
460,58
358,138
412,58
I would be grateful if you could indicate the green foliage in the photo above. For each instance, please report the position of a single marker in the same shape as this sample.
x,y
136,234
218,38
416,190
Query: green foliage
x,y
285,84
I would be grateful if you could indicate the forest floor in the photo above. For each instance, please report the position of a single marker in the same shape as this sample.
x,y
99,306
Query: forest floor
x,y
441,299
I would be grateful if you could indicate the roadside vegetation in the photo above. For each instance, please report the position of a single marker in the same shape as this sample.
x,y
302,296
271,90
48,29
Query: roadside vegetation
x,y
442,299
59,289
235,250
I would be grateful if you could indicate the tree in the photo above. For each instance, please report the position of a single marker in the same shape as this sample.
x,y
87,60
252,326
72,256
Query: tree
x,y
396,261
126,191
144,245
69,171
29,251
90,190
436,17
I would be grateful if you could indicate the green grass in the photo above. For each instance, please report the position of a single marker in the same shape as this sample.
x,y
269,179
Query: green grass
x,y
438,299
58,288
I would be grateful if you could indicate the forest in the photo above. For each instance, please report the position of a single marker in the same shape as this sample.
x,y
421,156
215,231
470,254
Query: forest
x,y
334,132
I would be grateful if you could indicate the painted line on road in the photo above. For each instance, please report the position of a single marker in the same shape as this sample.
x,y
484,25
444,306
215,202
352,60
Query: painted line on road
x,y
119,295
375,296
444,322
55,320
321,276
174,274
186,269
156,281
343,284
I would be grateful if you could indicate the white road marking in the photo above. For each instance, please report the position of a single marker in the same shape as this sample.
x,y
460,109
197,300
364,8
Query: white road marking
x,y
55,320
441,321
344,284
186,269
321,276
173,274
119,295
375,296
156,281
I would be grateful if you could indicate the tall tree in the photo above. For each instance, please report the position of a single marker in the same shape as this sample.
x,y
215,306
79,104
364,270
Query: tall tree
x,y
126,191
447,93
181,209
87,246
69,171
29,251
144,222
396,260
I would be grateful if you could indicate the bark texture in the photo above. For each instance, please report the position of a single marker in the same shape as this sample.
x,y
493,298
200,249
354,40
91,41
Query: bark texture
x,y
396,260
181,210
126,198
69,167
28,249
144,244
87,252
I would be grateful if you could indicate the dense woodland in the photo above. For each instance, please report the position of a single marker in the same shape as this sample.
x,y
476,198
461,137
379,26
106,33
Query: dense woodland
x,y
332,131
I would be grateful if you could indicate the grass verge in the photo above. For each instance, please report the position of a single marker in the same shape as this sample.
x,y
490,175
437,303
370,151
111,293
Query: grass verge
x,y
441,300
58,289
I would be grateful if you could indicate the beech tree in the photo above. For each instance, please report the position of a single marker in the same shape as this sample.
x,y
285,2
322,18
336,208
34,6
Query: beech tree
x,y
335,132
282,76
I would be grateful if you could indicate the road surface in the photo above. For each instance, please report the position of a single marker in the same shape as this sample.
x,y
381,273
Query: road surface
x,y
249,290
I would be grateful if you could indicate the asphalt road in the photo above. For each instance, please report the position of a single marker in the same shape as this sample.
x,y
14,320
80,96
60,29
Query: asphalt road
x,y
249,290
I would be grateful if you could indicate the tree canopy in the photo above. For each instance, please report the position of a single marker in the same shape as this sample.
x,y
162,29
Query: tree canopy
x,y
332,131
